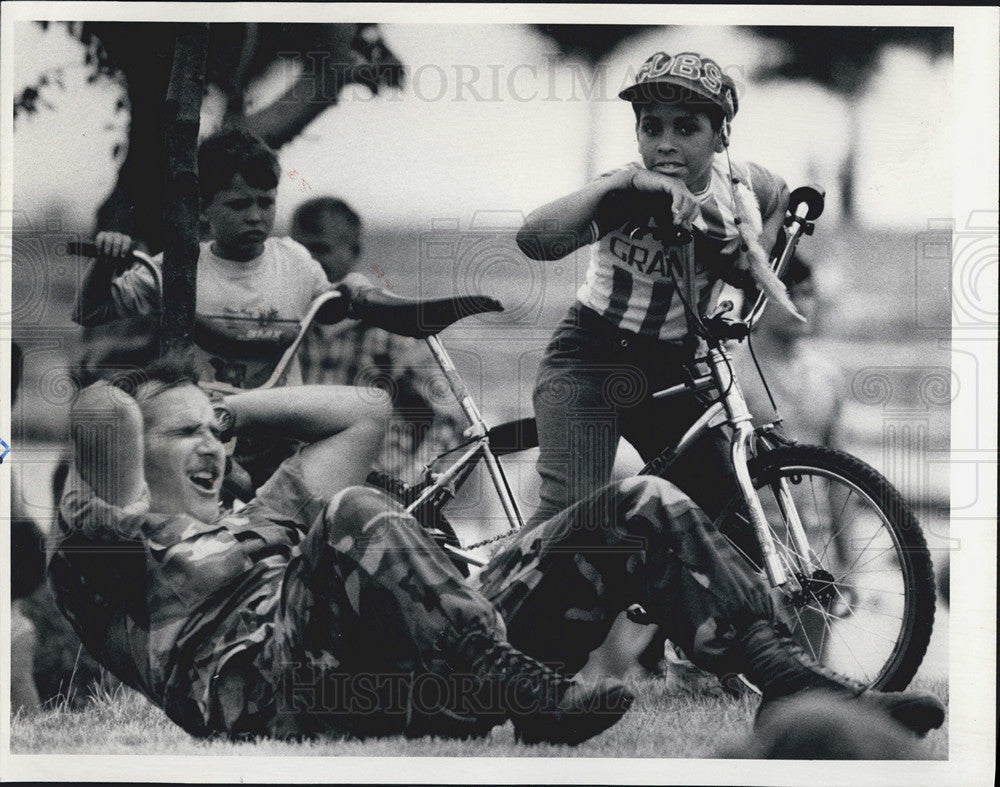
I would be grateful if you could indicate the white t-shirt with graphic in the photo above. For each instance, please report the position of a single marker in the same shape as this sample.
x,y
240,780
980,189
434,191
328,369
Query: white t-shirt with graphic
x,y
247,312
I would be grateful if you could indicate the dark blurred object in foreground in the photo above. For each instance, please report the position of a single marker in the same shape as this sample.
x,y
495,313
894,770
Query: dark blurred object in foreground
x,y
817,725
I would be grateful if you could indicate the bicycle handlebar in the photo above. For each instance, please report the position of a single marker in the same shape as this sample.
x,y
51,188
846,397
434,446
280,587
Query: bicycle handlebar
x,y
809,202
86,248
804,205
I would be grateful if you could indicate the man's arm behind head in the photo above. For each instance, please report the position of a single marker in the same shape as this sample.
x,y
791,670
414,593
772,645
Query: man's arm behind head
x,y
107,432
344,427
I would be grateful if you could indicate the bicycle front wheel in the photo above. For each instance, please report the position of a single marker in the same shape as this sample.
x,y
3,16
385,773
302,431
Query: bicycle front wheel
x,y
865,608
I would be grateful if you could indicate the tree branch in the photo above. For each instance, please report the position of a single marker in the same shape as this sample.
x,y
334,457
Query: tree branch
x,y
344,54
236,85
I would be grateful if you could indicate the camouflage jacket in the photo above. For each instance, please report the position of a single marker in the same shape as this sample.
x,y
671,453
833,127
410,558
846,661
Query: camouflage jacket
x,y
165,601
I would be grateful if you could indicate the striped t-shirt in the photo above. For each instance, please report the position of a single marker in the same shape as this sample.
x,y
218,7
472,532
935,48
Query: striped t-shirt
x,y
629,280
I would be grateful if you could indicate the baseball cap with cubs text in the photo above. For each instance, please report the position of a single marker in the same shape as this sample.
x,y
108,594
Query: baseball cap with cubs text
x,y
659,78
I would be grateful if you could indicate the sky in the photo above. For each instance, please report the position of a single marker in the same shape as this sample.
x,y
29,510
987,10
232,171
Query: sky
x,y
491,124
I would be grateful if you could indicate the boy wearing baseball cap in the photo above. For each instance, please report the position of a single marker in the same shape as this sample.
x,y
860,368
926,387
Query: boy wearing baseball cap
x,y
684,226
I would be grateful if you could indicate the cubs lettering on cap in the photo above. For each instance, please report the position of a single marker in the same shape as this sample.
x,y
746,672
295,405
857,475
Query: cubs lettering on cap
x,y
688,70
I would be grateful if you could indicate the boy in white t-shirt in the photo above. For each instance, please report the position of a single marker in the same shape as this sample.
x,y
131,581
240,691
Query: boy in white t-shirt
x,y
252,289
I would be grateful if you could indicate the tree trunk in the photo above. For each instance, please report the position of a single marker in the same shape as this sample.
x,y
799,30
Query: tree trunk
x,y
235,87
181,200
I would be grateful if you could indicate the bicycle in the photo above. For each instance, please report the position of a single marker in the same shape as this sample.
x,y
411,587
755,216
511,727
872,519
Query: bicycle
x,y
870,560
787,491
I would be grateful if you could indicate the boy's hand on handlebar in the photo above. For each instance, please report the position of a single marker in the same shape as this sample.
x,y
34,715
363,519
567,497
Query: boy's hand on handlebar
x,y
683,206
114,246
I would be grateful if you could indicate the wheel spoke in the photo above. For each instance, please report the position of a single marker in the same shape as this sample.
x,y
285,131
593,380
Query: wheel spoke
x,y
875,634
861,552
855,607
822,638
857,530
850,650
850,493
880,591
854,569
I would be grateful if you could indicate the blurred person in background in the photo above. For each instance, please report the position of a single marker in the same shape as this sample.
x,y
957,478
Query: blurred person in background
x,y
27,572
353,353
808,386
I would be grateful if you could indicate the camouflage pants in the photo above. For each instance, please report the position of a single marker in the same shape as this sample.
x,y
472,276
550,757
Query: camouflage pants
x,y
369,600
561,584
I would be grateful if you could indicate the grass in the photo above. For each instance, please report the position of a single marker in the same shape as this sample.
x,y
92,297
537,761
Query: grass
x,y
663,723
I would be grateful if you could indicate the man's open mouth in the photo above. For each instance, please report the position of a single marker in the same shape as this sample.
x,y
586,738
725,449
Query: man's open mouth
x,y
205,479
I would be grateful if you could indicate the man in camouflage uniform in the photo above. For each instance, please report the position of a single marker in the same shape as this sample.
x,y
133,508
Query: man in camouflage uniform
x,y
308,612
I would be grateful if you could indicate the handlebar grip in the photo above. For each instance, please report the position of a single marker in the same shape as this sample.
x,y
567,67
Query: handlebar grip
x,y
812,197
86,248
665,231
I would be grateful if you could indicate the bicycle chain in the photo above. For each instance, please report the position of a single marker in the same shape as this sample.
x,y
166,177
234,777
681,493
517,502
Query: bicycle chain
x,y
489,541
407,494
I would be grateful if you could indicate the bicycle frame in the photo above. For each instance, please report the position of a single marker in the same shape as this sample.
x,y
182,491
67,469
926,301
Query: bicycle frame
x,y
478,429
731,408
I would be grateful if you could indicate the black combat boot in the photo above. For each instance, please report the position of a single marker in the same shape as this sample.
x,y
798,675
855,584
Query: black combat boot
x,y
779,667
544,706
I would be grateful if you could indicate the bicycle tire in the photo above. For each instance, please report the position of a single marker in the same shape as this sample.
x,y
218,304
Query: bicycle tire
x,y
901,550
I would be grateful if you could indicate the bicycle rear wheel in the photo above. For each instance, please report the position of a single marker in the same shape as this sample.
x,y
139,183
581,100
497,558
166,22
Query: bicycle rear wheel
x,y
868,611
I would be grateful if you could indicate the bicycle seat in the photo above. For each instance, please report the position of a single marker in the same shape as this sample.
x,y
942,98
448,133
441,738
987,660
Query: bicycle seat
x,y
411,316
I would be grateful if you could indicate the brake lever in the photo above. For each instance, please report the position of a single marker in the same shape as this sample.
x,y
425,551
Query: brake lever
x,y
724,330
